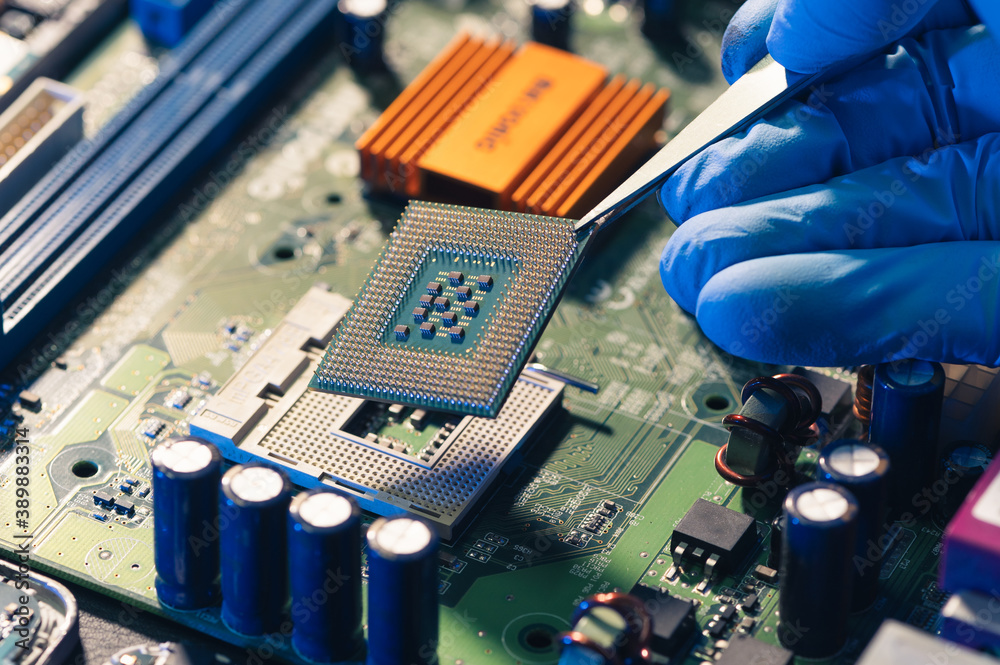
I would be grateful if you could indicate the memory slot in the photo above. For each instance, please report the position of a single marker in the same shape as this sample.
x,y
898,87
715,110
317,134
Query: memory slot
x,y
136,147
261,60
69,167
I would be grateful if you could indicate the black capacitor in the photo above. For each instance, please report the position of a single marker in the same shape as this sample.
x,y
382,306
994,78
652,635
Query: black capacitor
x,y
659,19
254,511
774,542
185,483
821,524
962,464
551,22
402,592
362,33
906,415
324,572
863,469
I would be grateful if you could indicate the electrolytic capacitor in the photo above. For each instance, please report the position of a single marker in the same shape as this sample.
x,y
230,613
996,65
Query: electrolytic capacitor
x,y
774,542
324,569
863,469
402,592
962,464
186,476
253,547
362,33
659,19
821,522
906,415
551,22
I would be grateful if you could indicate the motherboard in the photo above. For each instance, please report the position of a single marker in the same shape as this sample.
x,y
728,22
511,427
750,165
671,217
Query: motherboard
x,y
586,469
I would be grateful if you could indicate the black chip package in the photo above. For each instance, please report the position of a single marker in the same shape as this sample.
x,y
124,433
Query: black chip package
x,y
745,650
673,619
714,535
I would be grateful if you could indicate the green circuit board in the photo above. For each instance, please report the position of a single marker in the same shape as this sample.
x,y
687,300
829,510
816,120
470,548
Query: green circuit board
x,y
136,357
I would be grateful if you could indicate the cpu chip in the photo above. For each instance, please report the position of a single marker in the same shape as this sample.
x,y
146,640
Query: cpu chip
x,y
466,357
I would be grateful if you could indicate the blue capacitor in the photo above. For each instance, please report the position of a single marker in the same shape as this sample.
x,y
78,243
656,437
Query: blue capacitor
x,y
324,570
659,19
906,415
253,519
821,524
362,33
963,463
402,592
862,469
551,22
774,542
185,535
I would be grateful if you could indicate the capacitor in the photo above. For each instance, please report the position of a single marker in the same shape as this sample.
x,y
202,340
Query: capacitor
x,y
659,19
551,22
863,469
185,483
906,415
821,523
774,542
254,556
362,33
402,592
962,464
324,570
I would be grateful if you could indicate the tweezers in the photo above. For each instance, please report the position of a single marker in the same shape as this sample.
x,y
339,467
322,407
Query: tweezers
x,y
765,86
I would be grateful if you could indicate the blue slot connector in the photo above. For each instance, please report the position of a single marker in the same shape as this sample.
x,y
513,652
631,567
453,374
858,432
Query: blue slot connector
x,y
167,22
97,197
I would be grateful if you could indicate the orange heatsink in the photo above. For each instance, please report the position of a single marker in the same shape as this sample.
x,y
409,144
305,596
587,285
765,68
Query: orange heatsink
x,y
533,129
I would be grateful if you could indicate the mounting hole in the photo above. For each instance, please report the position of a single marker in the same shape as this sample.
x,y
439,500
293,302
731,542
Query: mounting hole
x,y
717,402
84,468
135,566
284,253
333,198
538,637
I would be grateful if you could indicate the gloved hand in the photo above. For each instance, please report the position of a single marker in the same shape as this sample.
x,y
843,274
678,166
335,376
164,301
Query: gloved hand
x,y
862,224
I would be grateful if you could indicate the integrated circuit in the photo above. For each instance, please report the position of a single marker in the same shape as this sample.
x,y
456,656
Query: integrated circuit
x,y
713,535
673,619
479,285
745,650
390,457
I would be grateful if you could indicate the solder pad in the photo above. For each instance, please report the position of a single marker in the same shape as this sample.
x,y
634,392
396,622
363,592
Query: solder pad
x,y
528,260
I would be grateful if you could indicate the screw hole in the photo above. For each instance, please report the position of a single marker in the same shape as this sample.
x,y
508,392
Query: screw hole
x,y
84,469
717,402
539,639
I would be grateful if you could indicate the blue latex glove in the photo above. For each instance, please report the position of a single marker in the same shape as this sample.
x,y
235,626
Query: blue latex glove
x,y
862,224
